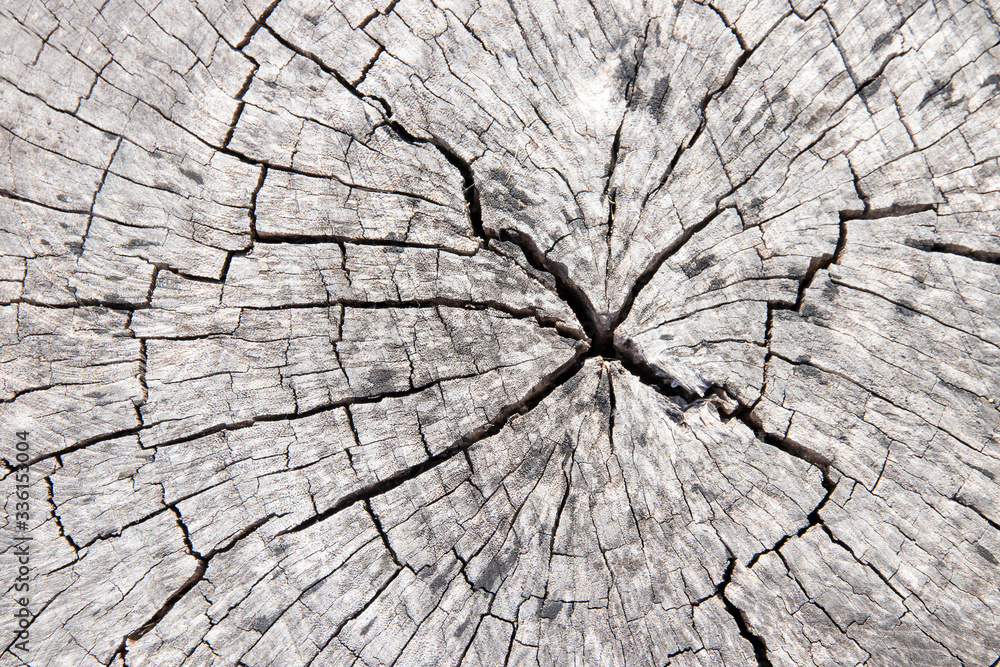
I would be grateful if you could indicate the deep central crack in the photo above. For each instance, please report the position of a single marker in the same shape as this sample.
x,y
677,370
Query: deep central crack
x,y
599,327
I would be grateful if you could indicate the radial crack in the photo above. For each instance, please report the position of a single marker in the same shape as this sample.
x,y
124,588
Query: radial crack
x,y
536,395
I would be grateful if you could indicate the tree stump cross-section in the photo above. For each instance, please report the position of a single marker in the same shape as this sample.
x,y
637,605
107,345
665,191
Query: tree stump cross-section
x,y
433,332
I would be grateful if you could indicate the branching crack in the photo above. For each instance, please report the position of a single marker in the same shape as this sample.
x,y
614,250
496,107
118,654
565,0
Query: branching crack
x,y
756,641
813,519
536,395
786,444
201,567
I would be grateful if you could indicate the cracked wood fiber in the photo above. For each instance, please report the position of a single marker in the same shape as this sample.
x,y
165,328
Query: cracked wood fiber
x,y
433,332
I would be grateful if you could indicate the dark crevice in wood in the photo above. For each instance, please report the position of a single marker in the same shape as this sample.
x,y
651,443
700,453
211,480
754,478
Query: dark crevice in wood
x,y
93,84
536,395
93,202
252,220
368,66
817,264
252,211
55,516
746,415
354,434
612,197
613,163
326,176
270,238
968,505
671,656
612,410
87,442
987,256
266,14
7,194
131,524
198,575
670,167
375,14
513,634
185,532
597,326
812,519
862,91
246,423
730,25
350,87
657,261
119,306
528,312
381,532
543,321
568,477
21,392
628,354
473,635
469,190
786,444
388,243
240,103
836,37
755,641
142,374
351,400
893,211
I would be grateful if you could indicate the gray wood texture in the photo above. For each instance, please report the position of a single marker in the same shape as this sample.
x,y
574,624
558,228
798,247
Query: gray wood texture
x,y
444,332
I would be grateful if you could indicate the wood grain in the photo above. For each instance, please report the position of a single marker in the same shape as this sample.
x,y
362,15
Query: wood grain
x,y
434,332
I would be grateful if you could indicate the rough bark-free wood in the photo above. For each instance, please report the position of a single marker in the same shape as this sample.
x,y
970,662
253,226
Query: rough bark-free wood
x,y
433,332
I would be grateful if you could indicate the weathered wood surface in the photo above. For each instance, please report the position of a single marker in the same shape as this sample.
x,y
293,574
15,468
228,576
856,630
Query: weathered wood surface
x,y
449,333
